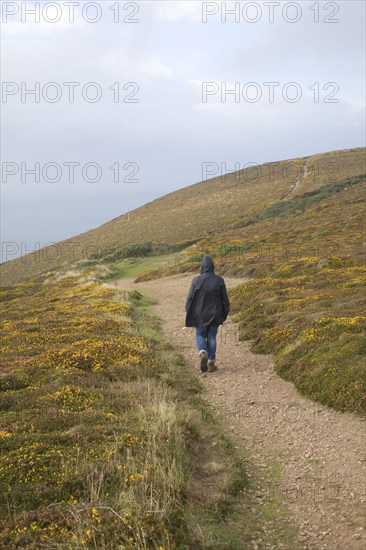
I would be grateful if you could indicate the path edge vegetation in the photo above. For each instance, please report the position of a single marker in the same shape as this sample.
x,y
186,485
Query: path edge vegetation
x,y
215,473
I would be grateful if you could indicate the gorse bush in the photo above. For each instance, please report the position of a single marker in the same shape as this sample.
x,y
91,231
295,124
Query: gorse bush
x,y
118,252
92,449
323,354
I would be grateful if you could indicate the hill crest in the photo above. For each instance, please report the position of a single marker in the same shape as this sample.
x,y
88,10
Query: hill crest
x,y
196,211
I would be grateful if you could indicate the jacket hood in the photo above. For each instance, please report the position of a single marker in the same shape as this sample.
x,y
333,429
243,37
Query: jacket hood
x,y
207,265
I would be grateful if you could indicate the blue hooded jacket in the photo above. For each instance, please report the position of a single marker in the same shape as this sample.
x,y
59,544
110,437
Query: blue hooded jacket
x,y
207,302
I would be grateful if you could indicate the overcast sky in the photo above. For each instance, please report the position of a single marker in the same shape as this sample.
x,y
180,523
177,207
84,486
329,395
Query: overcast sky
x,y
156,109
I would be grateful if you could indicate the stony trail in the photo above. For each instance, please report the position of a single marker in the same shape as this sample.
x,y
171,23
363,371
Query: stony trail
x,y
296,185
306,461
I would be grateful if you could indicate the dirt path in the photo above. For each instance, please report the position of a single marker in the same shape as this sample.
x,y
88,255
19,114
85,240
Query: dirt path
x,y
307,461
297,183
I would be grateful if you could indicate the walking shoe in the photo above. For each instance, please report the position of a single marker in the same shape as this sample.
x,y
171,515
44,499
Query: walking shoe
x,y
212,367
203,361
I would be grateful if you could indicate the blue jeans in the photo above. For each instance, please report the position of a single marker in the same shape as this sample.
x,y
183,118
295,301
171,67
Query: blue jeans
x,y
206,340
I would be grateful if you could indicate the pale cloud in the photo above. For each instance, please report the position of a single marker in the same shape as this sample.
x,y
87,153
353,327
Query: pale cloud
x,y
155,67
19,21
116,61
175,10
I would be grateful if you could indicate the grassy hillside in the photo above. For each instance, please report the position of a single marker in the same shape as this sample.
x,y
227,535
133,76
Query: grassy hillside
x,y
196,211
296,229
100,447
